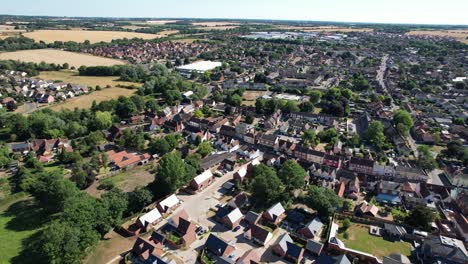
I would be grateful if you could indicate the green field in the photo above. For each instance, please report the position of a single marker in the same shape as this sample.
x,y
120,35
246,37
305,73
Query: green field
x,y
20,220
360,239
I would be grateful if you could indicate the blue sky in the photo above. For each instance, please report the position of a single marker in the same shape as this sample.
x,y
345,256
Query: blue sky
x,y
382,11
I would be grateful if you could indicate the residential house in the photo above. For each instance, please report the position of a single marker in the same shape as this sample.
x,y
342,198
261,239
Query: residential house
x,y
358,165
123,159
252,218
275,214
202,181
251,256
268,140
258,234
286,248
168,204
443,250
218,246
148,220
230,218
312,230
147,252
314,247
366,209
331,160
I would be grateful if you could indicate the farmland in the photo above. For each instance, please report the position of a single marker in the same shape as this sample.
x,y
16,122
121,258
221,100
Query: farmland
x,y
460,35
59,57
72,77
216,25
49,36
86,101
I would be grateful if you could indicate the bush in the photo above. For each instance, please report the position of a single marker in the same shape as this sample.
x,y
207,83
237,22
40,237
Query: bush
x,y
346,235
106,184
346,223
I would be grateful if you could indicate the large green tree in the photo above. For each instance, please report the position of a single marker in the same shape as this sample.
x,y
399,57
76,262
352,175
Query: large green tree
x,y
403,121
292,175
169,175
324,200
375,135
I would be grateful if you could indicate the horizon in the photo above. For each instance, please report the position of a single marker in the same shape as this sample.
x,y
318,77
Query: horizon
x,y
417,12
238,19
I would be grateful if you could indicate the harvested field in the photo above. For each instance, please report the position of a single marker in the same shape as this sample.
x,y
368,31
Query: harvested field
x,y
160,22
59,57
9,31
215,24
460,35
185,41
72,77
50,36
86,101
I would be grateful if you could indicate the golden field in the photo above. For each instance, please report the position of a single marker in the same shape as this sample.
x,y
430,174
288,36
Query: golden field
x,y
460,35
88,81
49,36
59,57
86,101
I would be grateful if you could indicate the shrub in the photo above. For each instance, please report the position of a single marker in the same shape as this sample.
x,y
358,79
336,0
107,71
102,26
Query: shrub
x,y
346,223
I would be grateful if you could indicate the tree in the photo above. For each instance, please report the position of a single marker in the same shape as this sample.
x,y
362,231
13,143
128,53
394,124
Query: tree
x,y
52,190
103,120
172,140
420,217
292,175
260,105
260,77
307,107
403,121
205,148
110,210
315,96
159,146
138,199
289,107
5,159
266,187
169,175
375,134
32,162
328,135
346,223
79,176
425,158
198,113
60,243
152,105
324,200
309,138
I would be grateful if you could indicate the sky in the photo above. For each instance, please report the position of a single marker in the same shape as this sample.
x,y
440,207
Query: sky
x,y
376,11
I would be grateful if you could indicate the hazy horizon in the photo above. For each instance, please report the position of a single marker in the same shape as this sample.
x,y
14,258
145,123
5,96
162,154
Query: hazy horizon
x,y
429,12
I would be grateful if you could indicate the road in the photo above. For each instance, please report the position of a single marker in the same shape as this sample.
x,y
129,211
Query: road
x,y
196,206
381,79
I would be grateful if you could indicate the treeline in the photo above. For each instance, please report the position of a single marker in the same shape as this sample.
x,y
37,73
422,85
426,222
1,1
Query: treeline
x,y
73,221
32,69
24,43
128,73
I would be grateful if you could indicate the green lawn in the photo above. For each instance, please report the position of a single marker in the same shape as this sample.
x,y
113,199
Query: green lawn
x,y
20,219
360,239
